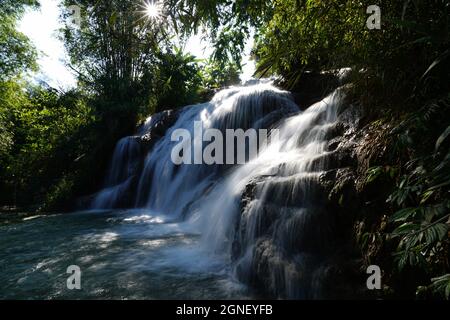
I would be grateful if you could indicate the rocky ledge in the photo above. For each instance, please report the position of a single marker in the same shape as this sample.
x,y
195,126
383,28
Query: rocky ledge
x,y
320,259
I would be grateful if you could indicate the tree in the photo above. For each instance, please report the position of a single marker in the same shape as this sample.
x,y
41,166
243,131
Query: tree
x,y
295,36
16,53
216,75
49,131
113,50
227,23
16,57
177,80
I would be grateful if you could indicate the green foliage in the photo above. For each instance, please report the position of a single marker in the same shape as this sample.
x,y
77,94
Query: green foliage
x,y
16,56
47,130
16,53
375,173
59,195
216,76
114,53
311,35
441,285
12,96
227,23
129,63
177,80
409,52
420,221
16,8
6,136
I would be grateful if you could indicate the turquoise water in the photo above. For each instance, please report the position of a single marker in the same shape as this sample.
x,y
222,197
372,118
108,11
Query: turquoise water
x,y
122,255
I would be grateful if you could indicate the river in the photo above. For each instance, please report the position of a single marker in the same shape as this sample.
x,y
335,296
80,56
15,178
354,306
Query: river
x,y
131,254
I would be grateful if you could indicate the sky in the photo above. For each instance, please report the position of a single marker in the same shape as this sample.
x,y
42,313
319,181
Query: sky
x,y
42,26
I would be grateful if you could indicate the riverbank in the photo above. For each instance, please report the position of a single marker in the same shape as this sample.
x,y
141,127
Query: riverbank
x,y
11,215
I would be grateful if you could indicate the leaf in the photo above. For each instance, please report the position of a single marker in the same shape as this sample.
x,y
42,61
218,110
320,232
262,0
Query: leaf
x,y
406,228
439,59
442,138
430,213
426,195
403,215
441,230
407,257
441,285
365,240
341,200
113,18
373,174
443,184
435,233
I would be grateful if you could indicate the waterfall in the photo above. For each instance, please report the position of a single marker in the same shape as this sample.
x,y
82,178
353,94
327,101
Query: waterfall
x,y
172,189
268,215
123,170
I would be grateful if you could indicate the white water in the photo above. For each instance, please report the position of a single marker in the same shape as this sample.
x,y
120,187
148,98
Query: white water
x,y
123,254
123,169
208,198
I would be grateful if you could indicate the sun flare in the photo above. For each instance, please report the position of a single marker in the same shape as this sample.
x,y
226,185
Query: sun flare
x,y
153,10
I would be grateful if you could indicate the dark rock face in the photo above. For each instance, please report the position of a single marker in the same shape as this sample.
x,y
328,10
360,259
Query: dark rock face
x,y
163,121
313,87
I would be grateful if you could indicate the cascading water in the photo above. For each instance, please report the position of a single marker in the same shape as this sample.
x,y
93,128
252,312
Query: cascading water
x,y
266,216
122,172
283,233
170,188
280,236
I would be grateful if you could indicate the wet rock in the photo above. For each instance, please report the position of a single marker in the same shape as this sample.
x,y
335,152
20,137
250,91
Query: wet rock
x,y
84,202
291,243
339,158
164,121
313,87
336,131
350,119
344,187
334,144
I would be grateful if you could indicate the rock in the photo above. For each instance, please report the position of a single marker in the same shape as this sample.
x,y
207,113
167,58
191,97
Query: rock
x,y
298,229
338,130
344,189
164,121
313,87
334,144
